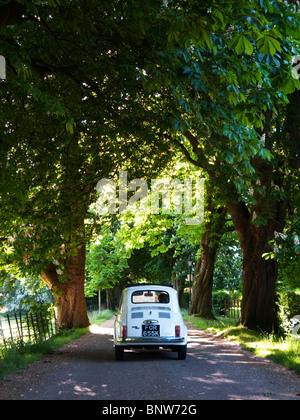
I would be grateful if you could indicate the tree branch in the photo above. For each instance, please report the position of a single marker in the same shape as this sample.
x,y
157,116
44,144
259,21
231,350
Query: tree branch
x,y
186,153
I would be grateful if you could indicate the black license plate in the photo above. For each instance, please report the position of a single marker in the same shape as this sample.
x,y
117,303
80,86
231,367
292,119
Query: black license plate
x,y
150,330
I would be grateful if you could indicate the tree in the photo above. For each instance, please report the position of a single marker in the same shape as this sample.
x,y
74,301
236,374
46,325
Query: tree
x,y
259,212
73,112
236,157
19,294
258,222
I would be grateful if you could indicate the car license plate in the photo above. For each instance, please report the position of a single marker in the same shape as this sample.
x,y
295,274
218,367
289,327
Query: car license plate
x,y
150,330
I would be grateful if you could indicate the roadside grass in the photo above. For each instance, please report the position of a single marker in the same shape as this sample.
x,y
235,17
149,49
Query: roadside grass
x,y
282,350
17,356
97,318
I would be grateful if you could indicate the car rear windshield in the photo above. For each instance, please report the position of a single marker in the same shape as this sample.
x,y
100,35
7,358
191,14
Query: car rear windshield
x,y
150,296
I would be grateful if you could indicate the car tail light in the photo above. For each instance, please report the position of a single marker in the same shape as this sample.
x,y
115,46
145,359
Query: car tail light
x,y
177,331
124,331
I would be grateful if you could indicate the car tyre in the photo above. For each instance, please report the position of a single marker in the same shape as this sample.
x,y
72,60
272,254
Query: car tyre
x,y
119,352
182,352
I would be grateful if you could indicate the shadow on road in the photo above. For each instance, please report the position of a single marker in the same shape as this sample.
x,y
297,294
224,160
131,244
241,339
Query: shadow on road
x,y
213,370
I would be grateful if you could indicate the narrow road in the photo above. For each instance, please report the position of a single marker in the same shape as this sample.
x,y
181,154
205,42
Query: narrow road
x,y
214,369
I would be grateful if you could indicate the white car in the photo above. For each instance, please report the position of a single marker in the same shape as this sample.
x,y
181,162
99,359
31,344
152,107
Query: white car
x,y
149,317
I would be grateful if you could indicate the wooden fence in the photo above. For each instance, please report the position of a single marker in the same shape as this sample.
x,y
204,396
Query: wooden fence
x,y
232,308
27,327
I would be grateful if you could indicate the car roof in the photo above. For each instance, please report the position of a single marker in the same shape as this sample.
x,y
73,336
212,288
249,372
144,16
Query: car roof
x,y
160,285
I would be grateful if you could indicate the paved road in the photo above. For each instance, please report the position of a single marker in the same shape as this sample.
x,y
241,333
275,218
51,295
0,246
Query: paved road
x,y
214,369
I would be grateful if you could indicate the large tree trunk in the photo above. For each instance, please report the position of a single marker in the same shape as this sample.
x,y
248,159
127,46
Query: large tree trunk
x,y
259,275
69,295
259,280
204,273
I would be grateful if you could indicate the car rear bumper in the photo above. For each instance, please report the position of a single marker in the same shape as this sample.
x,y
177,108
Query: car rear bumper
x,y
155,341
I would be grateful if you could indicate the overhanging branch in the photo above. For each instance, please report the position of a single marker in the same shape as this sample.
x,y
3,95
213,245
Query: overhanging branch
x,y
186,153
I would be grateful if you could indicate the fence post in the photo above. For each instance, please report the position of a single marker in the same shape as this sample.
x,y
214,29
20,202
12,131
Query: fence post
x,y
50,323
1,331
232,308
21,324
38,325
11,333
17,322
47,320
33,327
43,326
28,326
55,322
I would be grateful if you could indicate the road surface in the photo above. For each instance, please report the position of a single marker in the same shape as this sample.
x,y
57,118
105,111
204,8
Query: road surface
x,y
214,369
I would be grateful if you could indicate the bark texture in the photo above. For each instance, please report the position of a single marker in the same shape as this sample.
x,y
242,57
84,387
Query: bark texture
x,y
204,272
69,295
259,275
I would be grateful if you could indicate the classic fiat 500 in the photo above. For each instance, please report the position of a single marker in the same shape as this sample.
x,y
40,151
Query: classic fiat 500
x,y
149,317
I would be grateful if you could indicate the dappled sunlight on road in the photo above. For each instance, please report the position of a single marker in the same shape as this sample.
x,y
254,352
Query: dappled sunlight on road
x,y
80,390
95,329
214,369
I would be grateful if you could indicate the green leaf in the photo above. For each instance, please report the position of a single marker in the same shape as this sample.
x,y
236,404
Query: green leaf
x,y
265,154
218,18
248,46
241,44
290,85
69,127
268,44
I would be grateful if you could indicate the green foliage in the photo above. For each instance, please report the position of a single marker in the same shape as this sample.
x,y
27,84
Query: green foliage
x,y
149,247
75,76
289,307
219,297
286,249
18,294
97,318
136,246
106,259
94,87
228,266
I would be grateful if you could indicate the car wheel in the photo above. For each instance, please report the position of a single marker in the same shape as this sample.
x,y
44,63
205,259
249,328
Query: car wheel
x,y
182,352
119,352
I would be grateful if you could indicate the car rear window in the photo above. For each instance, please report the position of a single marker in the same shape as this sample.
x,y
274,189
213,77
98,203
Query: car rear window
x,y
150,296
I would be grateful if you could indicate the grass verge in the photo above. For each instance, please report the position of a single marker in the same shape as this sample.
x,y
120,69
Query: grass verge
x,y
97,318
18,355
284,351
